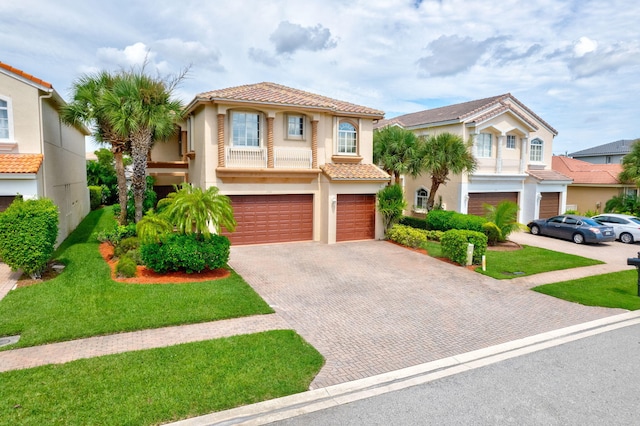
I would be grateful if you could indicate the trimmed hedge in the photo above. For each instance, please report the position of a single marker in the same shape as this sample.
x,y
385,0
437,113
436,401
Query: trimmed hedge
x,y
444,220
411,237
454,245
186,252
95,197
414,222
28,233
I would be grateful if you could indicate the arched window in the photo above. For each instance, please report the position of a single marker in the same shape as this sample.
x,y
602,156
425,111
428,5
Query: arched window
x,y
347,138
536,150
422,195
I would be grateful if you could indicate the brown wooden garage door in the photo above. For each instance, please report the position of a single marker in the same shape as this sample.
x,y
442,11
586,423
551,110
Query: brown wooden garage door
x,y
5,201
271,218
478,199
356,217
549,205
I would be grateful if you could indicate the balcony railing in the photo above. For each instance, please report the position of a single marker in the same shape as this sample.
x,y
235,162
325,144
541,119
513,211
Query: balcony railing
x,y
246,157
253,157
489,165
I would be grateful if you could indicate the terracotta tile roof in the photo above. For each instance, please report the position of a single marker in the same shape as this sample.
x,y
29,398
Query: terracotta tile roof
x,y
460,112
621,147
271,93
25,75
587,173
548,175
20,163
354,172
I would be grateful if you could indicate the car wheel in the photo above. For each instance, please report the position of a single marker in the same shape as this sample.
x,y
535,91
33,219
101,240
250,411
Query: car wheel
x,y
578,238
626,238
535,230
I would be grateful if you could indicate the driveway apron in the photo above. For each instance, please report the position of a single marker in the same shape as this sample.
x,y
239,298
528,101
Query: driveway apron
x,y
372,306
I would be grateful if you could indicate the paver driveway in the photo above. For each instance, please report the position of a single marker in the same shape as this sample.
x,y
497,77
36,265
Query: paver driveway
x,y
371,307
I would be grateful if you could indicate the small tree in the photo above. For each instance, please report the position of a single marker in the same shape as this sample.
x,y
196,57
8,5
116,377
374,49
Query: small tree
x,y
504,216
391,203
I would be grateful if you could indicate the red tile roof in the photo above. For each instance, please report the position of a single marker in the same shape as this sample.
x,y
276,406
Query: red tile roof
x,y
20,163
548,175
25,75
354,172
271,93
583,172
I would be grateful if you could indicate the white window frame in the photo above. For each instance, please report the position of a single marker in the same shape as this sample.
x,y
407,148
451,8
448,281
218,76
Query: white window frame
x,y
9,128
299,126
536,150
512,141
420,200
484,148
242,140
347,139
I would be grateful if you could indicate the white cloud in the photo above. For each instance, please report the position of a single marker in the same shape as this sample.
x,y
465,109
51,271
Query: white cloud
x,y
134,55
584,45
290,37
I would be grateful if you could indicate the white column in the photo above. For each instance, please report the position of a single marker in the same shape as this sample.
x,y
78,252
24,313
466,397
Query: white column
x,y
523,155
499,153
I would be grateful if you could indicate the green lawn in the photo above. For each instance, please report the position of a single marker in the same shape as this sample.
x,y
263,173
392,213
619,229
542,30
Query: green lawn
x,y
614,290
83,301
160,385
530,260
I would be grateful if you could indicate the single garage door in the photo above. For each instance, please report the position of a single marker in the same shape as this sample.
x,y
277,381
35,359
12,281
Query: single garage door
x,y
356,217
549,204
271,218
478,199
5,201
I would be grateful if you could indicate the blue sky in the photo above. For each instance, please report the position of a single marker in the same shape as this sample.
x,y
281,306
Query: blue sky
x,y
574,63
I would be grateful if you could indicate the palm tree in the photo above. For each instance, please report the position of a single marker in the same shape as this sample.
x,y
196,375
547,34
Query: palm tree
x,y
631,165
504,216
87,108
141,108
192,210
397,150
443,154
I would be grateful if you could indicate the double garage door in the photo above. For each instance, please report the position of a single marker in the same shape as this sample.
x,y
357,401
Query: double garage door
x,y
284,218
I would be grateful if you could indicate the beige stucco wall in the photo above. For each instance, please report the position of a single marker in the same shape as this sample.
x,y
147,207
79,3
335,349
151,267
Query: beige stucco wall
x,y
26,114
588,197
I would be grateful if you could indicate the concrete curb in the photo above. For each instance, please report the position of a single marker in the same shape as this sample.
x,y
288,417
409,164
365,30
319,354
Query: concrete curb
x,y
307,402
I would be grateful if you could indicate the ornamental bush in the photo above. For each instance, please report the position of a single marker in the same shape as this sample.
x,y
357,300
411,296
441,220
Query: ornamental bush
x,y
412,237
454,245
95,197
414,222
444,220
125,245
126,267
492,232
28,233
439,220
186,252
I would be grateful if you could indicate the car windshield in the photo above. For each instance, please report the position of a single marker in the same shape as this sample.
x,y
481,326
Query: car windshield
x,y
591,222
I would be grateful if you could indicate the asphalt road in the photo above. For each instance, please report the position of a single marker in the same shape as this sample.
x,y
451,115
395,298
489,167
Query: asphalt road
x,y
591,381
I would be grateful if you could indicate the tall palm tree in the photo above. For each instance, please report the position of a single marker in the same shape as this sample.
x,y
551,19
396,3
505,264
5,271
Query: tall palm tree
x,y
443,154
142,108
86,108
397,151
631,165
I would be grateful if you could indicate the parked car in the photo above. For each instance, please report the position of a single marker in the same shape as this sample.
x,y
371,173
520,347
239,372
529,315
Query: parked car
x,y
579,229
626,227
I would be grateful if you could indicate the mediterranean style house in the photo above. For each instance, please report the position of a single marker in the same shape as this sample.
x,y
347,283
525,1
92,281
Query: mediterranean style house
x,y
513,148
609,153
297,166
593,184
40,156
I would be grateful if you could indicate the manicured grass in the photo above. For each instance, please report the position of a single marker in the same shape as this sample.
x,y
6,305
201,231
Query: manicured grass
x,y
530,260
160,385
83,301
614,290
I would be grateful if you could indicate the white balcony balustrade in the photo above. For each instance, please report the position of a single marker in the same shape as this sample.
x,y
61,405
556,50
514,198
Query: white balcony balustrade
x,y
292,158
249,157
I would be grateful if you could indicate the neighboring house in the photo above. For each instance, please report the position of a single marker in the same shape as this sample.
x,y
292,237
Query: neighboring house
x,y
513,147
296,165
593,184
39,156
609,153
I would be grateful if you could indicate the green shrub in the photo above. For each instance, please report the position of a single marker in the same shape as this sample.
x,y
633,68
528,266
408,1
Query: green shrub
x,y
125,245
439,220
95,197
571,211
186,252
434,235
126,267
407,236
444,220
492,232
468,222
117,233
414,222
454,245
134,255
390,204
28,233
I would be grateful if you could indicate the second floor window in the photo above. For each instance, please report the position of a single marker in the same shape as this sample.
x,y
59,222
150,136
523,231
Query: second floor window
x,y
535,151
295,126
246,129
4,119
483,145
511,142
347,138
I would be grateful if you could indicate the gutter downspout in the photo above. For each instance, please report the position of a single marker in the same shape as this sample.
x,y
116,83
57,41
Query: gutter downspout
x,y
44,160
